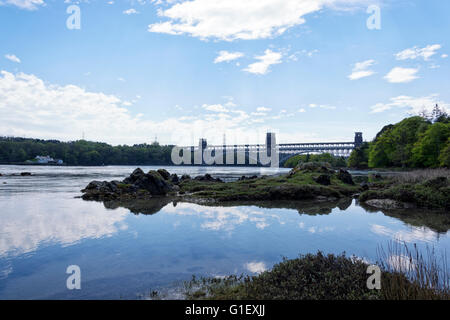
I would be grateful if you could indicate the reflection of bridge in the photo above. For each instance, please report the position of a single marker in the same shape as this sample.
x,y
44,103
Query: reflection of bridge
x,y
257,154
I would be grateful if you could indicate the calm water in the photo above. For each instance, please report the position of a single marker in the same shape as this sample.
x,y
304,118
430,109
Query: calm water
x,y
127,250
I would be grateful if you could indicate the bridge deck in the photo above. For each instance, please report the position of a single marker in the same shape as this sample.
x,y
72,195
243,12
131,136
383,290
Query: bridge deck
x,y
283,146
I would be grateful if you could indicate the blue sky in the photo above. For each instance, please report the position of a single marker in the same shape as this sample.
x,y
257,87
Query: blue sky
x,y
310,70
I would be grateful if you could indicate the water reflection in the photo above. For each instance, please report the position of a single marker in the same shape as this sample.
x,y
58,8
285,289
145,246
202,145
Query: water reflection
x,y
412,235
26,224
126,248
435,220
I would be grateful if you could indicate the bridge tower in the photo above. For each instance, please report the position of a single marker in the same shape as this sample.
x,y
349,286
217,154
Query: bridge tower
x,y
270,141
198,158
202,143
358,139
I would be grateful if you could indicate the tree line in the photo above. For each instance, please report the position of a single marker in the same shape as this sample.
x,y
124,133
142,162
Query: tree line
x,y
83,153
416,142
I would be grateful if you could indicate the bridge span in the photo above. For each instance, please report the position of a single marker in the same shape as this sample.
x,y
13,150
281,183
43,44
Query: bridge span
x,y
258,154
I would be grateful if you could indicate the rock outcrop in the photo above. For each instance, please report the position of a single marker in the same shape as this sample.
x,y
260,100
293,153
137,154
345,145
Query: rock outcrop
x,y
323,179
345,177
207,178
137,185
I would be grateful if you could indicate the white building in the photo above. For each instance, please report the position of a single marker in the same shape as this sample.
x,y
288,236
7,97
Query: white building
x,y
47,159
44,159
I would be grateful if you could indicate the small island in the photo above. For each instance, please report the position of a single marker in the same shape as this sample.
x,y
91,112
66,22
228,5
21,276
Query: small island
x,y
307,181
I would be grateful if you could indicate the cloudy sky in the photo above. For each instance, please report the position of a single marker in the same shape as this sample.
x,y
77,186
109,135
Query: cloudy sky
x,y
178,70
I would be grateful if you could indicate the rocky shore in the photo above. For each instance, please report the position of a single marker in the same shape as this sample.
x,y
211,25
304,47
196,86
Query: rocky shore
x,y
309,181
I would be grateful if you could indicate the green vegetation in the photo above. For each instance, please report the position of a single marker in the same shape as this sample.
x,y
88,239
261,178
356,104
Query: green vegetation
x,y
359,157
415,142
336,162
423,189
330,277
85,153
310,277
307,181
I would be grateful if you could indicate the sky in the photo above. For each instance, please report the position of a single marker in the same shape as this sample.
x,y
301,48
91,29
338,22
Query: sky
x,y
132,71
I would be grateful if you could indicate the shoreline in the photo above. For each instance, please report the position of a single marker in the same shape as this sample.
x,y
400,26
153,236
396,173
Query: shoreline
x,y
311,181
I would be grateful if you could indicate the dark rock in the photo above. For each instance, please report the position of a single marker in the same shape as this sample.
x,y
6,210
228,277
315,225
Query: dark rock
x,y
185,177
164,173
152,182
207,178
364,186
25,174
174,178
137,185
323,179
247,178
137,174
345,177
375,176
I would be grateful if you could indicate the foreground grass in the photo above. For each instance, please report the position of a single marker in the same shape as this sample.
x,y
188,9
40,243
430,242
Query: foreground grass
x,y
324,277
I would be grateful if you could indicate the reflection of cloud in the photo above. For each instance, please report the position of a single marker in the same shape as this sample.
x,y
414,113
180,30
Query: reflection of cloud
x,y
26,224
5,270
316,229
415,234
256,267
400,263
224,218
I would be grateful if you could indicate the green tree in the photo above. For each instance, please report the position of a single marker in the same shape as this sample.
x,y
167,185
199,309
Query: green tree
x,y
359,158
426,151
444,157
393,146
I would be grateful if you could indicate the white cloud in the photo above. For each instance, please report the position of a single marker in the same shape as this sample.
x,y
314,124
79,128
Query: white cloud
x,y
225,56
24,4
130,11
31,107
414,105
402,75
322,106
215,108
444,56
12,58
263,109
236,19
360,70
265,61
415,52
